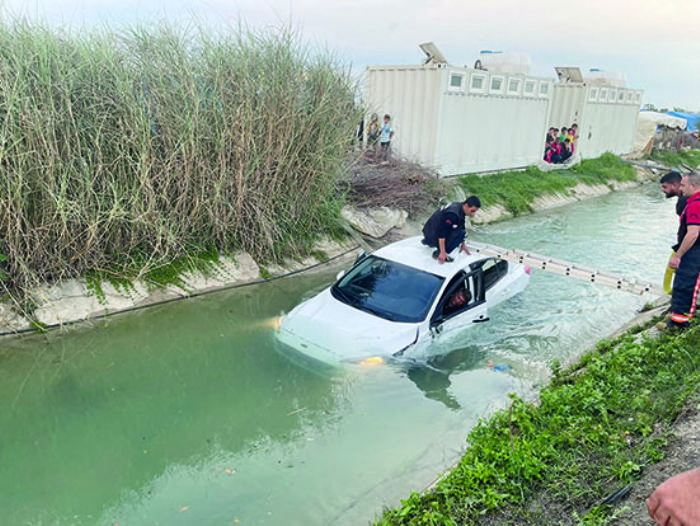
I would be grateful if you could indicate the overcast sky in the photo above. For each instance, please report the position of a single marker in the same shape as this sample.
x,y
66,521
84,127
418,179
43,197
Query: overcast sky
x,y
655,43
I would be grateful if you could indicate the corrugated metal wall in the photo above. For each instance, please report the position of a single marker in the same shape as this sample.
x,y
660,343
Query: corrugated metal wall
x,y
609,121
460,120
411,95
495,122
607,117
568,101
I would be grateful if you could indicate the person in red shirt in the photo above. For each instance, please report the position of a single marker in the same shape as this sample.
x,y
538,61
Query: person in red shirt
x,y
686,260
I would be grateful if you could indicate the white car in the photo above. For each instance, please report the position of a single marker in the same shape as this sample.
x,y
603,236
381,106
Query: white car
x,y
398,302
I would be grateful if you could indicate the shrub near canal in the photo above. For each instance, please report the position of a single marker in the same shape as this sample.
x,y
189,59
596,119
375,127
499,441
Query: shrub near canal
x,y
517,190
595,428
125,151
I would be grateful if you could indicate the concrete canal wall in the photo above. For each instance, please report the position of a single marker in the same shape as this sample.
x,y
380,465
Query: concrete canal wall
x,y
74,300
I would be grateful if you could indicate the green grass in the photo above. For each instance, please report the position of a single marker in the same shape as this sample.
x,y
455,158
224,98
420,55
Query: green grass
x,y
591,433
517,190
136,146
125,272
690,158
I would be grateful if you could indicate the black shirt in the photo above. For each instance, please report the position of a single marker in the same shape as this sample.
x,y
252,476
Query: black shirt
x,y
443,222
680,204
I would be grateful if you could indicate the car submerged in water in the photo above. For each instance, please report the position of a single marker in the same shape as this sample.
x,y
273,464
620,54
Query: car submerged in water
x,y
399,302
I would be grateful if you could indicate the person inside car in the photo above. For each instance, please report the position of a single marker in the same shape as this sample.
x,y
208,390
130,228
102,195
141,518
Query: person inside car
x,y
459,299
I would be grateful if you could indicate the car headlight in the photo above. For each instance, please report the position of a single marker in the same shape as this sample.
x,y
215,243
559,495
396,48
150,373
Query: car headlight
x,y
373,360
273,323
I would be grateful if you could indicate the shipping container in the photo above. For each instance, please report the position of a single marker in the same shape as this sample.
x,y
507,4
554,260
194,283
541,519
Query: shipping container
x,y
460,120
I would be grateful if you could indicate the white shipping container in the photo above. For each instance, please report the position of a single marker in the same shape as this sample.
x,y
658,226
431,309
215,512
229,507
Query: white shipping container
x,y
411,95
461,120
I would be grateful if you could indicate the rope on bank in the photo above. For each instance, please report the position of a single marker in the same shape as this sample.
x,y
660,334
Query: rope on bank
x,y
171,300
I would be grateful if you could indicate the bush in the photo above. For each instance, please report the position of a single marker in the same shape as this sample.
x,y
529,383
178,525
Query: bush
x,y
517,190
131,150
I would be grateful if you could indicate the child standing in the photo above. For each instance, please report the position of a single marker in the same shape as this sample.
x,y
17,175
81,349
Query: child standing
x,y
387,132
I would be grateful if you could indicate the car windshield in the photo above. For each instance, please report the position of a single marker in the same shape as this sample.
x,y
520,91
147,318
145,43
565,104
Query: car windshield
x,y
388,289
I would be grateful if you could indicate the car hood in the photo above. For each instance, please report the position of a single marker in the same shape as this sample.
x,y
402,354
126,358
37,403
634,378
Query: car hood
x,y
332,331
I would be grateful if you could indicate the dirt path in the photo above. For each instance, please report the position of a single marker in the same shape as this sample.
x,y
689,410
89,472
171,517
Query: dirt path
x,y
683,453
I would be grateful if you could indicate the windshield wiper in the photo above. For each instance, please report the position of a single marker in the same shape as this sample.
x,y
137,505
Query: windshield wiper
x,y
344,297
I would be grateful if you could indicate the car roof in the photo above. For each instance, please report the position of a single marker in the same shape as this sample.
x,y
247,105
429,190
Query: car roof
x,y
412,252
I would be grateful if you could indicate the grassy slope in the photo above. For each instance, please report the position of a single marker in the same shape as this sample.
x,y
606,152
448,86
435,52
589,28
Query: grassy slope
x,y
677,160
593,430
517,190
592,433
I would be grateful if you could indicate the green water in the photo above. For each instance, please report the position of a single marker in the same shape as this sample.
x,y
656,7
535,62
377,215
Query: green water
x,y
187,414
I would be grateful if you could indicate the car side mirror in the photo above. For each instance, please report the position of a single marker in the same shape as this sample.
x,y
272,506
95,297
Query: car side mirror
x,y
437,322
339,275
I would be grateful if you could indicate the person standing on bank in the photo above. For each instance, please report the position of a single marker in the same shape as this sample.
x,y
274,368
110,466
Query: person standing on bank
x,y
671,187
446,228
686,259
387,133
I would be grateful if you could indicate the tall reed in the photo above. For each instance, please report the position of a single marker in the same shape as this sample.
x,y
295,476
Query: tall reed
x,y
134,148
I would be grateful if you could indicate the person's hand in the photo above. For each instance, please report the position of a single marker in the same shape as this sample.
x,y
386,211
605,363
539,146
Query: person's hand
x,y
675,502
442,256
464,249
674,262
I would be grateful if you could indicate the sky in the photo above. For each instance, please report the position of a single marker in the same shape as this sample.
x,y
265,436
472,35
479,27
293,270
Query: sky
x,y
655,43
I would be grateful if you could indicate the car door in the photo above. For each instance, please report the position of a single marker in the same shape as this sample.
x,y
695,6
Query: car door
x,y
450,319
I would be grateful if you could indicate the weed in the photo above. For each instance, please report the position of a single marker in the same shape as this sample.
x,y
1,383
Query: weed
x,y
3,276
517,190
319,255
265,273
128,150
689,158
591,431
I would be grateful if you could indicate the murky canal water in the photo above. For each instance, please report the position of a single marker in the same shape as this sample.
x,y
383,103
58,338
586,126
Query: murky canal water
x,y
186,414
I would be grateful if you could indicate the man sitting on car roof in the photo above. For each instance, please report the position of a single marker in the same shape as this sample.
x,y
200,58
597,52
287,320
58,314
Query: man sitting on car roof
x,y
446,228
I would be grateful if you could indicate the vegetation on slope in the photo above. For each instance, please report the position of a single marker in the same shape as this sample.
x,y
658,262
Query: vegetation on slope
x,y
517,190
682,160
592,432
132,150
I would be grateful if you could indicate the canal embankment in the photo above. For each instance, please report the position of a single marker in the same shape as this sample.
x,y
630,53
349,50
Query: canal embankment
x,y
504,195
181,392
607,430
585,451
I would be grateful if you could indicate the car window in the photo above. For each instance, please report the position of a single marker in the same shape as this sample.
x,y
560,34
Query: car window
x,y
388,289
494,270
458,296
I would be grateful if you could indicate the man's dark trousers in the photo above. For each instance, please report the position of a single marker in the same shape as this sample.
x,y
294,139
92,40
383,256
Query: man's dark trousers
x,y
684,281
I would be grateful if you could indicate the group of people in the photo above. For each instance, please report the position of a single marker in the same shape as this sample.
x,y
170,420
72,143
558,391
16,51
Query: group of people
x,y
560,144
676,500
378,137
685,259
